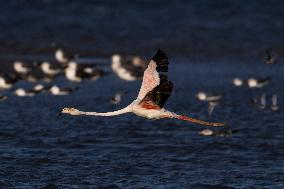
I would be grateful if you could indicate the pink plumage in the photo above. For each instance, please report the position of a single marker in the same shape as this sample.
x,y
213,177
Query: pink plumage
x,y
153,94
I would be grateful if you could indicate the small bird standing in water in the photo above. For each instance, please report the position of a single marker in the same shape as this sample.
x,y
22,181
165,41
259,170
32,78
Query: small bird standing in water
x,y
2,97
127,68
270,59
212,99
153,94
274,106
116,99
259,102
258,83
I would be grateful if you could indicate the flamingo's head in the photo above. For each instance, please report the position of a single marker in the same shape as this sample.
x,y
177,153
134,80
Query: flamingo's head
x,y
71,111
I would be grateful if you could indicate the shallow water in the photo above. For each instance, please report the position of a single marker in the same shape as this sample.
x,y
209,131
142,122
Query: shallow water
x,y
39,148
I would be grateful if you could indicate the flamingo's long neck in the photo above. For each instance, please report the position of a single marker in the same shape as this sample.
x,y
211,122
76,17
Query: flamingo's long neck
x,y
114,113
197,121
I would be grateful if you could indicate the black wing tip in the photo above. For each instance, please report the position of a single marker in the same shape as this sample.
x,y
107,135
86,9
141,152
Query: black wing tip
x,y
164,82
162,92
161,60
168,84
163,78
160,55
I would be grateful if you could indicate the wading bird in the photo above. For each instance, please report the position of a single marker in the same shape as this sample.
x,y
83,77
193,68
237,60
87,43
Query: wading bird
x,y
127,68
116,99
258,83
274,107
154,92
212,99
270,59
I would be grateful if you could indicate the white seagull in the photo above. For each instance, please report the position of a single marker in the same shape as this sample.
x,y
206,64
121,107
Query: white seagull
x,y
38,88
24,93
21,68
76,72
61,57
7,81
274,105
127,68
55,90
238,82
50,69
154,92
258,83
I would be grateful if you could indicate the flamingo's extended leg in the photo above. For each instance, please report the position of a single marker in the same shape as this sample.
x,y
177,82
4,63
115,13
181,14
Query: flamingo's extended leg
x,y
197,121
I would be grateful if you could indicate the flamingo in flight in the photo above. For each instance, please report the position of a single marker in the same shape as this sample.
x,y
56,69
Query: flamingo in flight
x,y
154,92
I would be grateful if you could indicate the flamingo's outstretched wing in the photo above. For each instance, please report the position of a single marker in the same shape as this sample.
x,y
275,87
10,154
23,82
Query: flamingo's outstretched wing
x,y
156,98
151,78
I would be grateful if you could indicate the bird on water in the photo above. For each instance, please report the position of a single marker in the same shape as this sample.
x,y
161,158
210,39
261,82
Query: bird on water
x,y
155,90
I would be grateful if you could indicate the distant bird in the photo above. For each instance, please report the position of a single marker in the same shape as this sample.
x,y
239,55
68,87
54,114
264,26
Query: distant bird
x,y
40,88
206,132
24,92
71,72
34,76
221,133
50,69
262,104
55,90
2,97
127,68
116,99
238,82
61,56
274,106
211,106
202,96
259,102
154,92
7,81
22,68
258,83
77,72
269,58
212,99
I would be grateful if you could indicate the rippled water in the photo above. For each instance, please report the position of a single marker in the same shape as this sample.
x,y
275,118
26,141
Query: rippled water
x,y
208,42
39,148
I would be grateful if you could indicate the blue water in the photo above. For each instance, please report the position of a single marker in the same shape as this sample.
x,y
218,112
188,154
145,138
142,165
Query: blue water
x,y
38,147
208,43
202,27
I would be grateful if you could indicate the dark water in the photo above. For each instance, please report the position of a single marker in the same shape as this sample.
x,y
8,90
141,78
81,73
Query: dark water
x,y
38,148
203,27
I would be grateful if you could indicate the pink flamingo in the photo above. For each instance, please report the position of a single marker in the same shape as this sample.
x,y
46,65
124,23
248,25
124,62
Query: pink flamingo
x,y
154,92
